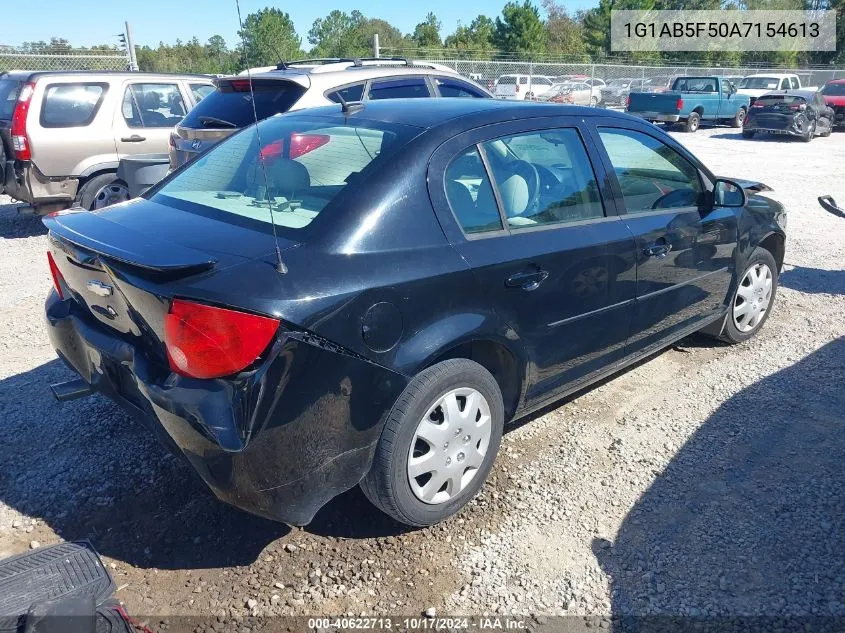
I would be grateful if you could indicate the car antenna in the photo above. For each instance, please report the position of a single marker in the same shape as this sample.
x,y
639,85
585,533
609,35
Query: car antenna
x,y
349,107
280,264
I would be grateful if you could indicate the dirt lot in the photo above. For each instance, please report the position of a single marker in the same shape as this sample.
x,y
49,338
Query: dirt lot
x,y
707,480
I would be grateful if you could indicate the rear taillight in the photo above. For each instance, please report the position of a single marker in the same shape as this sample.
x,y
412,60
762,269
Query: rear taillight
x,y
240,85
207,342
680,104
272,150
757,105
628,102
303,143
20,142
798,107
57,276
171,150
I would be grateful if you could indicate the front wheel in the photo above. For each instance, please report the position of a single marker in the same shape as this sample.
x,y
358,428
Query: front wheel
x,y
692,122
753,299
438,443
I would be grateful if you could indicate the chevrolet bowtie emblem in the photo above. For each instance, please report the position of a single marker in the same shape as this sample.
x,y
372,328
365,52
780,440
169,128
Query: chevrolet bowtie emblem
x,y
99,288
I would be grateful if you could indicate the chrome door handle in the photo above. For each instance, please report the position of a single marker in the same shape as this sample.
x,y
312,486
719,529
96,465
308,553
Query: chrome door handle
x,y
527,280
658,250
133,139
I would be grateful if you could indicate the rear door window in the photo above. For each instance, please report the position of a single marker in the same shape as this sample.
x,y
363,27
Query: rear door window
x,y
231,105
470,194
9,89
404,88
71,105
153,105
793,81
449,87
544,178
201,91
349,93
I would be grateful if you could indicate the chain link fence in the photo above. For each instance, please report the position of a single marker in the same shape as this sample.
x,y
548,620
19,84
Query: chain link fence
x,y
76,59
614,80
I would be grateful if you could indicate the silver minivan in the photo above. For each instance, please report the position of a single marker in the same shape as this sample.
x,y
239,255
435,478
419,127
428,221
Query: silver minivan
x,y
62,134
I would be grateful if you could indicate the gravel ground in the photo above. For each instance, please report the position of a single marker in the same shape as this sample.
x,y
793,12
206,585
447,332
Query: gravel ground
x,y
705,481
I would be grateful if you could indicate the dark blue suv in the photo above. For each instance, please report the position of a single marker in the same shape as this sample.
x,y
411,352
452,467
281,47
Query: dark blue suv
x,y
367,294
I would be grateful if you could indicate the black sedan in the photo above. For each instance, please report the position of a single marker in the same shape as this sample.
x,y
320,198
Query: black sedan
x,y
367,294
801,113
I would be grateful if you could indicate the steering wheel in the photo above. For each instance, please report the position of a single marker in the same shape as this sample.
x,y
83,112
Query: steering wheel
x,y
529,173
684,197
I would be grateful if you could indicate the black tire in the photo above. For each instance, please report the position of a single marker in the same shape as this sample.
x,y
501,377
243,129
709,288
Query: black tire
x,y
811,132
387,485
827,133
692,122
739,118
731,334
748,133
87,194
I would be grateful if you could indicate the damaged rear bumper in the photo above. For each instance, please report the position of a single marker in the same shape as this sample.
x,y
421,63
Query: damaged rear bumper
x,y
278,441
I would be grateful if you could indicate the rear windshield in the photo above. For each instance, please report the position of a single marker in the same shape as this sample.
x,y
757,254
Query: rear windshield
x,y
768,100
833,90
760,83
8,97
695,84
307,162
230,106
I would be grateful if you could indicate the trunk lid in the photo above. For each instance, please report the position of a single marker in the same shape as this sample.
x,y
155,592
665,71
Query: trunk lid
x,y
660,102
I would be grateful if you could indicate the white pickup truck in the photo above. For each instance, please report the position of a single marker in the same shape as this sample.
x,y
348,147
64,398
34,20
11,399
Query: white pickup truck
x,y
754,86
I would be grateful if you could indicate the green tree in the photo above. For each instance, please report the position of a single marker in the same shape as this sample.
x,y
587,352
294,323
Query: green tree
x,y
564,34
427,33
477,37
596,29
520,30
269,37
388,35
338,35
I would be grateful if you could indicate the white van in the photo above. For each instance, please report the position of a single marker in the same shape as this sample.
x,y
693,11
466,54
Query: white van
x,y
521,87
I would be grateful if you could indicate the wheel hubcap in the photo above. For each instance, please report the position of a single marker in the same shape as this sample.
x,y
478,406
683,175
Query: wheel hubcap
x,y
449,445
752,298
110,194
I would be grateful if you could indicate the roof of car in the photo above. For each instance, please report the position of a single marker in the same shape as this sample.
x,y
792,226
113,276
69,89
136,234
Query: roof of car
x,y
835,81
797,92
34,74
773,75
430,113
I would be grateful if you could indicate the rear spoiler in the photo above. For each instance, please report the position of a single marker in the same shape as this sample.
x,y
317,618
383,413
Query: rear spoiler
x,y
95,232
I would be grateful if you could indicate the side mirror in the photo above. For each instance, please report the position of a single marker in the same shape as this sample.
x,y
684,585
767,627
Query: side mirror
x,y
727,193
733,88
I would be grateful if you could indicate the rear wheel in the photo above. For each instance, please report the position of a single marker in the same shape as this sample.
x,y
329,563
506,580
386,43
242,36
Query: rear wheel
x,y
102,191
438,443
594,102
692,122
753,299
748,134
739,118
810,133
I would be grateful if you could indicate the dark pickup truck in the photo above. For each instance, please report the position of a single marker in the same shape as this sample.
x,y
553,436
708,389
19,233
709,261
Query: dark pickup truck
x,y
691,101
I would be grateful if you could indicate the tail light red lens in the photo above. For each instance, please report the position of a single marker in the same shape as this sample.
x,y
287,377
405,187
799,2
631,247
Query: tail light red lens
x,y
303,143
757,105
207,342
798,107
20,142
57,276
272,150
680,104
628,102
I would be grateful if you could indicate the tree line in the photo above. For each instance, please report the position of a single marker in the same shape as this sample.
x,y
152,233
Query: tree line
x,y
521,31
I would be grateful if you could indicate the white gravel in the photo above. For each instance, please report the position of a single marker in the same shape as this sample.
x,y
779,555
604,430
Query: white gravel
x,y
707,480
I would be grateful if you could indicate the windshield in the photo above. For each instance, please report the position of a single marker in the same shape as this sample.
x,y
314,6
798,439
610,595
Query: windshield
x,y
832,90
773,100
308,161
8,97
230,106
760,83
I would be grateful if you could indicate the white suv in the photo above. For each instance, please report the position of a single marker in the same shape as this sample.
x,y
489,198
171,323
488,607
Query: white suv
x,y
521,87
306,84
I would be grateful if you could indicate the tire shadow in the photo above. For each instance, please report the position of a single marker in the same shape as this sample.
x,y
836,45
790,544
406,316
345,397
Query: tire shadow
x,y
747,518
814,280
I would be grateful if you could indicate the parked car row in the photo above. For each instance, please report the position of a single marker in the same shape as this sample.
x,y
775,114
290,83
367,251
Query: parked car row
x,y
785,108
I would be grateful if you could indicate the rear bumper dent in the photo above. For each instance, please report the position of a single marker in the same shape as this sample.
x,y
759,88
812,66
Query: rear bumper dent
x,y
279,442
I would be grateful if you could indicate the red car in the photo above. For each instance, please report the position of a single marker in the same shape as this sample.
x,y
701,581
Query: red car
x,y
834,96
